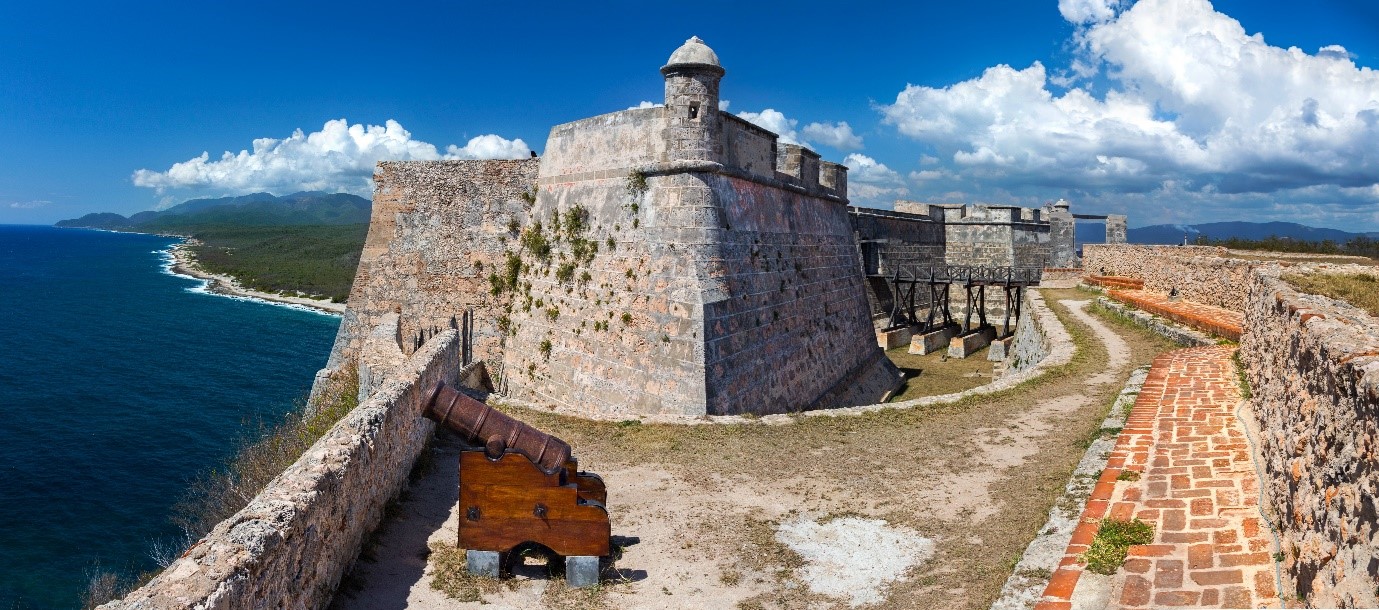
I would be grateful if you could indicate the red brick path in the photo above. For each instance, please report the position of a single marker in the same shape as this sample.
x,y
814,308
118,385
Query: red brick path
x,y
1197,487
1215,320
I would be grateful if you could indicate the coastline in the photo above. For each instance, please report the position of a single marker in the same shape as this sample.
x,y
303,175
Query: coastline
x,y
183,262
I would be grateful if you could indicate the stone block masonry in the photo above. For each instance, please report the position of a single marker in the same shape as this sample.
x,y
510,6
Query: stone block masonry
x,y
1313,366
439,229
1200,273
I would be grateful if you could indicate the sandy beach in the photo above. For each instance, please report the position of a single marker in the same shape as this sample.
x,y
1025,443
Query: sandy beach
x,y
184,263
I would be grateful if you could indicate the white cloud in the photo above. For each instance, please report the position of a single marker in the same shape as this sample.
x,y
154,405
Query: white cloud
x,y
29,205
1189,98
871,183
1087,11
722,105
774,121
339,157
837,135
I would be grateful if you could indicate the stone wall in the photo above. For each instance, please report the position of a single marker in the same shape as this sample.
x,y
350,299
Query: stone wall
x,y
1200,273
1313,366
1032,343
437,233
706,293
292,544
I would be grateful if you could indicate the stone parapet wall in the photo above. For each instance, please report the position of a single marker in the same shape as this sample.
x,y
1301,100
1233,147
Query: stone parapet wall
x,y
292,544
1313,365
1199,273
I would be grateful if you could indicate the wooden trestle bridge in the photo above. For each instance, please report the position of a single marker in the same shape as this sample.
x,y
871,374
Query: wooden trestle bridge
x,y
905,283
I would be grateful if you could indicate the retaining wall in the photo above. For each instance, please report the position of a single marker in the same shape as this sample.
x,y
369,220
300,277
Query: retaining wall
x,y
1313,365
291,545
1200,273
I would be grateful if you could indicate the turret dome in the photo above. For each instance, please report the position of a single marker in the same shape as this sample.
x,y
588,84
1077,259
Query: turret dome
x,y
693,54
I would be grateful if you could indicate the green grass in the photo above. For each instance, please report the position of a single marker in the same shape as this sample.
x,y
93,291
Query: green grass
x,y
312,259
1358,289
1113,540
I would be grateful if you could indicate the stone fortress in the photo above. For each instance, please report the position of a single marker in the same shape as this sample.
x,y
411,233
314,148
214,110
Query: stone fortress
x,y
667,260
679,260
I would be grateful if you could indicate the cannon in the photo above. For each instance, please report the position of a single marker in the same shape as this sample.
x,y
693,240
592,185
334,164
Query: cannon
x,y
522,491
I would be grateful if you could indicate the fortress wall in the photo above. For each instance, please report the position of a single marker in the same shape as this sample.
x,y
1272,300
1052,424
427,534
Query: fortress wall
x,y
1200,273
611,143
1313,366
785,314
292,544
600,362
895,240
436,234
748,147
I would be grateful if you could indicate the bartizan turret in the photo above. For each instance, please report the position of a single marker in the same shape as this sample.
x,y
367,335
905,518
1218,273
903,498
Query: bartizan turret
x,y
694,127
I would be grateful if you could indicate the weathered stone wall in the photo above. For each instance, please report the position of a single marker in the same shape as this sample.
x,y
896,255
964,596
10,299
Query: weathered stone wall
x,y
1200,273
437,233
707,293
1032,343
1313,366
610,143
291,545
748,147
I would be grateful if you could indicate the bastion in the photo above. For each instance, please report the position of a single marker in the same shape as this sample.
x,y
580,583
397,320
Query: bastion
x,y
666,260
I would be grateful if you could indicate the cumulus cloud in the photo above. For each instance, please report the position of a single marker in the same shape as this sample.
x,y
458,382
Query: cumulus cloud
x,y
339,157
774,120
1189,100
837,135
871,183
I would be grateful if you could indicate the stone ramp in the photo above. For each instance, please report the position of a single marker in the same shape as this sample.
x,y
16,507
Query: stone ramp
x,y
1197,487
1209,318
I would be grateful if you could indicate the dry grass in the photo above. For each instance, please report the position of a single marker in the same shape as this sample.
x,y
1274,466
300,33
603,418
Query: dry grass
x,y
856,460
452,575
1358,289
936,374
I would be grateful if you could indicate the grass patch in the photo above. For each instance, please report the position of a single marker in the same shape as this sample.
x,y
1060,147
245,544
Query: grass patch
x,y
1128,475
452,577
1113,540
1241,378
1358,289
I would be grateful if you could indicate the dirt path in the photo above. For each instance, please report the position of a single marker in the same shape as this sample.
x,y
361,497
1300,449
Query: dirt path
x,y
933,504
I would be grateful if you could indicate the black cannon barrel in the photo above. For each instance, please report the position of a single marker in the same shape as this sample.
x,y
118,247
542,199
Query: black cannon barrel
x,y
497,430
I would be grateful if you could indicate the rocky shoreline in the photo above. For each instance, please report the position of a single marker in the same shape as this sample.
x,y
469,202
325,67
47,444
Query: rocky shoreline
x,y
184,263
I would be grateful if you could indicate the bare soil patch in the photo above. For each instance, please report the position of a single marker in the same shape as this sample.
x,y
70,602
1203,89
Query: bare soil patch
x,y
706,501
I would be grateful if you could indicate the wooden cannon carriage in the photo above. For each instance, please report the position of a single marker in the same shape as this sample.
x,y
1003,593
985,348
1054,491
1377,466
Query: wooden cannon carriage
x,y
522,490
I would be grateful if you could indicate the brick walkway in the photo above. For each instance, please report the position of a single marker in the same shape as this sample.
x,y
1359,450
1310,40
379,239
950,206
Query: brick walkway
x,y
1197,487
1215,320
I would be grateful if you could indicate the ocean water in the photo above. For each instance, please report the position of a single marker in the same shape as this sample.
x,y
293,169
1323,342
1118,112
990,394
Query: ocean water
x,y
120,382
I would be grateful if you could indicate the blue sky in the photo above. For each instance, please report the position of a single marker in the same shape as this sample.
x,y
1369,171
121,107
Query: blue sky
x,y
1171,111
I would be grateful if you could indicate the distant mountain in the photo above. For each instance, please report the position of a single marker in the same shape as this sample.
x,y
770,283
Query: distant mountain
x,y
258,209
1173,234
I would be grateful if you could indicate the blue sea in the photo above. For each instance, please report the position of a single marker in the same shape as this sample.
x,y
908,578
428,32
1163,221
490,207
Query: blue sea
x,y
119,383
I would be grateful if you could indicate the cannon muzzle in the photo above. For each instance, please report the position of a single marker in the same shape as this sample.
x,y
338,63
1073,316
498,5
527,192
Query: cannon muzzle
x,y
499,432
